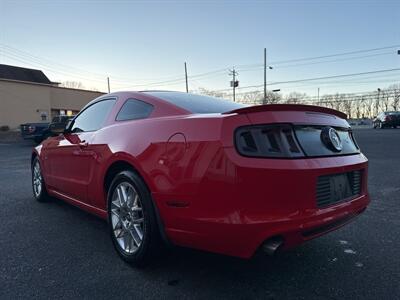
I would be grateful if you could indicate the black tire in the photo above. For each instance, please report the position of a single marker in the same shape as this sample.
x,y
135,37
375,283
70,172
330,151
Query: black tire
x,y
151,244
41,196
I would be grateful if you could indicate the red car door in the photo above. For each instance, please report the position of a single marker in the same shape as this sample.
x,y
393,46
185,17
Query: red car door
x,y
69,164
69,156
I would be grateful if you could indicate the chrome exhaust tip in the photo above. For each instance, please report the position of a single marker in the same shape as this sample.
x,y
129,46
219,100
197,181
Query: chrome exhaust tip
x,y
271,245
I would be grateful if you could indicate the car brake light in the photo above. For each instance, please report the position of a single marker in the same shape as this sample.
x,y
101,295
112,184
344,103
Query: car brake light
x,y
31,128
275,141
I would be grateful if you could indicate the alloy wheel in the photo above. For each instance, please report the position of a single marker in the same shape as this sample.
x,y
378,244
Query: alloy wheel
x,y
127,218
37,179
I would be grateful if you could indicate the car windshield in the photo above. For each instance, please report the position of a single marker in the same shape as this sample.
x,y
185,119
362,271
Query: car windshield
x,y
197,104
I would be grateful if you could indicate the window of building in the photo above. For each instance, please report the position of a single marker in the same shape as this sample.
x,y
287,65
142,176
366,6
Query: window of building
x,y
134,109
93,117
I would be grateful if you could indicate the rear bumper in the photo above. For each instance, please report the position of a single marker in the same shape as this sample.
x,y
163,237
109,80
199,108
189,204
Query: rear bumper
x,y
242,202
281,198
310,225
30,137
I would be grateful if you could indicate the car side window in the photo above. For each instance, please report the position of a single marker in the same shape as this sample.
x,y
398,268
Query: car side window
x,y
93,117
134,109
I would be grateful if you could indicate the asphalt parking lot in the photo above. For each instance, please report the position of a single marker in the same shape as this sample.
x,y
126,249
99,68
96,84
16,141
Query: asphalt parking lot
x,y
54,250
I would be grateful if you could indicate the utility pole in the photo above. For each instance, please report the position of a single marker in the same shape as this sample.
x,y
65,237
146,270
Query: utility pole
x,y
234,82
318,96
108,84
265,75
377,103
186,79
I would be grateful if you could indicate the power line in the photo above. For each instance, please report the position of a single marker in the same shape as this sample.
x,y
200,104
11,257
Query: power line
x,y
26,58
336,54
276,63
318,78
316,63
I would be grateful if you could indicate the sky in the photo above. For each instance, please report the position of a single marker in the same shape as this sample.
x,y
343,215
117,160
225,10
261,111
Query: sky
x,y
144,44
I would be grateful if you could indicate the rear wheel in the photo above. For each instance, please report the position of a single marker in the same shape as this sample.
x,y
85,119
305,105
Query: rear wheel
x,y
132,220
38,185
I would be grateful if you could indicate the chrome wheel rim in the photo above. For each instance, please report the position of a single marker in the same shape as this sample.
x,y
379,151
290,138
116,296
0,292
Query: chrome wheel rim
x,y
127,217
37,179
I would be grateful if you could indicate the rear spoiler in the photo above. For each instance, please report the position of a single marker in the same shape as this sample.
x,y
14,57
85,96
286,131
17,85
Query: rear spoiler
x,y
287,107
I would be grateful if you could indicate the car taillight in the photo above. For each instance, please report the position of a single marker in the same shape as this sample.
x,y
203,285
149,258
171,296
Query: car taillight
x,y
275,141
388,118
354,139
31,129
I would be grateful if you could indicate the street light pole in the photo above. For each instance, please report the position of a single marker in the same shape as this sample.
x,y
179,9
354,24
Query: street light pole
x,y
265,75
186,79
377,102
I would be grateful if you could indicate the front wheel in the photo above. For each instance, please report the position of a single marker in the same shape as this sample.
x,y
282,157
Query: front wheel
x,y
131,218
38,185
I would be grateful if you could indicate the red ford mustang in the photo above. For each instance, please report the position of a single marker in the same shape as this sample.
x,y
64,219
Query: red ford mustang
x,y
205,173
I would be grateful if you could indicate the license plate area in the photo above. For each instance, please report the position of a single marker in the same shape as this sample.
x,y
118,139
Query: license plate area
x,y
335,188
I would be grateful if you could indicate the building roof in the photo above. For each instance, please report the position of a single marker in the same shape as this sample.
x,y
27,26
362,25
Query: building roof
x,y
23,74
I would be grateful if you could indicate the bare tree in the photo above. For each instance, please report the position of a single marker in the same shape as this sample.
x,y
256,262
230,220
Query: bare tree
x,y
72,84
273,97
347,105
369,105
395,88
295,97
385,100
217,94
253,97
358,106
337,101
326,101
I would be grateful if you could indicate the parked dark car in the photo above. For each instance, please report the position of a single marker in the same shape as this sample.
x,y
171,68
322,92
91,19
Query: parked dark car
x,y
56,126
387,119
34,131
41,131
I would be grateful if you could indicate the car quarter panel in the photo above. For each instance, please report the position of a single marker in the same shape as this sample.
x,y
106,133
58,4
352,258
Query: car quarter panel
x,y
151,146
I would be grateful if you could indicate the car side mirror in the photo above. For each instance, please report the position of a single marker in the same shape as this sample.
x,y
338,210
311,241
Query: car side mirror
x,y
57,128
68,127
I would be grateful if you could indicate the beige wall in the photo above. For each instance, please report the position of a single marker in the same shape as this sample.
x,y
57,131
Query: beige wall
x,y
25,102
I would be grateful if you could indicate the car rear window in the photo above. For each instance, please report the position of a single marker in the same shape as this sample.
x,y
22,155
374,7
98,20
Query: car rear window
x,y
197,104
134,109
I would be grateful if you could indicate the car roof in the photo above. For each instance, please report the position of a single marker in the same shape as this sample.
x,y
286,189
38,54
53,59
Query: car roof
x,y
174,102
195,103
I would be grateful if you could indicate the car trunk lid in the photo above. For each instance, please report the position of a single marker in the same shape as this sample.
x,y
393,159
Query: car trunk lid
x,y
315,129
